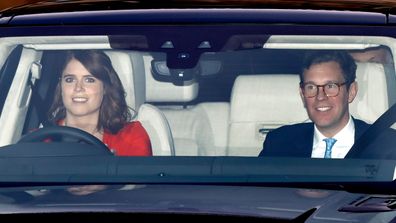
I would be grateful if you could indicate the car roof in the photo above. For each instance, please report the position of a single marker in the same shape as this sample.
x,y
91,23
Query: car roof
x,y
383,6
198,11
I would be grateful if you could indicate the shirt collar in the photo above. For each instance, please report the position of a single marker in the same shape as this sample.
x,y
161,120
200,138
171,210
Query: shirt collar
x,y
346,133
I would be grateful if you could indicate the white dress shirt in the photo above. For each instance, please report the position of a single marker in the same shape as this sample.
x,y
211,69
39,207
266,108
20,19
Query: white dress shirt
x,y
345,139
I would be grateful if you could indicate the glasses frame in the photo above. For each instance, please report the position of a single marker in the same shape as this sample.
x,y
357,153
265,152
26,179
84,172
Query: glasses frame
x,y
339,85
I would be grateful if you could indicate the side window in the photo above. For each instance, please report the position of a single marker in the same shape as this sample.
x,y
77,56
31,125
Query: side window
x,y
7,74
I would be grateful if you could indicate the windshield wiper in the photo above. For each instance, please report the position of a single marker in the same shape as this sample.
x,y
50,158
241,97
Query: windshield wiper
x,y
372,203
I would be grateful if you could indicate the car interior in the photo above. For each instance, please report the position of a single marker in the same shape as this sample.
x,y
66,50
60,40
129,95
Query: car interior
x,y
224,107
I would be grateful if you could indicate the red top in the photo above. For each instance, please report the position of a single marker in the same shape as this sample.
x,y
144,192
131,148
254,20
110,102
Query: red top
x,y
132,140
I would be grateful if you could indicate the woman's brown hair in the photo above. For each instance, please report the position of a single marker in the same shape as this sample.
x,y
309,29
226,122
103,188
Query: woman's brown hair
x,y
114,112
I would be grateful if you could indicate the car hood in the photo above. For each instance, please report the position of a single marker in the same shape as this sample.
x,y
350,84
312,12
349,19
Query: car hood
x,y
253,201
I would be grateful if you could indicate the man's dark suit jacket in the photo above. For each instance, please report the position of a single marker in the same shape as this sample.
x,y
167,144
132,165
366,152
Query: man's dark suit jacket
x,y
296,141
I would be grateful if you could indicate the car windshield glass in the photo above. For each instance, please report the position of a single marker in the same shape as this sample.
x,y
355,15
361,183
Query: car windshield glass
x,y
240,99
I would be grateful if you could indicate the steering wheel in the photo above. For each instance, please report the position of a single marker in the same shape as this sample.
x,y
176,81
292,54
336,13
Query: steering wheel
x,y
42,134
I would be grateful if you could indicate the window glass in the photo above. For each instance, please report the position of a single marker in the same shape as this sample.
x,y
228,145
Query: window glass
x,y
218,101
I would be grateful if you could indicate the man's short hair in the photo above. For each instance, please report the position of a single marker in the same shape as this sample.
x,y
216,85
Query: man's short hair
x,y
343,58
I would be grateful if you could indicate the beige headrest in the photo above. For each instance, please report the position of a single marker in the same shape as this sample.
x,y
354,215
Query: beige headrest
x,y
372,97
267,99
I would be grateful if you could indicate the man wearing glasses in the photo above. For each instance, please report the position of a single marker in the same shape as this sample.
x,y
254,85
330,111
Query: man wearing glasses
x,y
327,87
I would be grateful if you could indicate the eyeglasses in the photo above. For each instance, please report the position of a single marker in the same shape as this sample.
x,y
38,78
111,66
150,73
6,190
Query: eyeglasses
x,y
311,90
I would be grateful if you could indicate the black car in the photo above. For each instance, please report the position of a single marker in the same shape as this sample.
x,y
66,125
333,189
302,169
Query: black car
x,y
206,82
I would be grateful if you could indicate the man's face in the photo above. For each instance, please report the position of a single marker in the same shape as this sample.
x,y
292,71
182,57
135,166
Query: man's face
x,y
330,114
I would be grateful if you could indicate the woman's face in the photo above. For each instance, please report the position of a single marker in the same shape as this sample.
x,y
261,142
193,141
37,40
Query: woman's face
x,y
82,93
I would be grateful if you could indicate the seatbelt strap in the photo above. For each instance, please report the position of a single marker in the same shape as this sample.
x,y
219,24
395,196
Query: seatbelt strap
x,y
384,122
36,102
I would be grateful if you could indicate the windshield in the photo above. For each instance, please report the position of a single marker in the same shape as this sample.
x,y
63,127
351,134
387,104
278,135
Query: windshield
x,y
213,95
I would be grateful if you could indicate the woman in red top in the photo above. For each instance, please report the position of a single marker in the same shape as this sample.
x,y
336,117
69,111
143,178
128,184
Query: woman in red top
x,y
90,97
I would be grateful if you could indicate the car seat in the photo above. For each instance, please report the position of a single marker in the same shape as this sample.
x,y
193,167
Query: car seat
x,y
130,69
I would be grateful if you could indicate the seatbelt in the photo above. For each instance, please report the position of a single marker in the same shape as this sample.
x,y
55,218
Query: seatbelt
x,y
384,122
37,101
